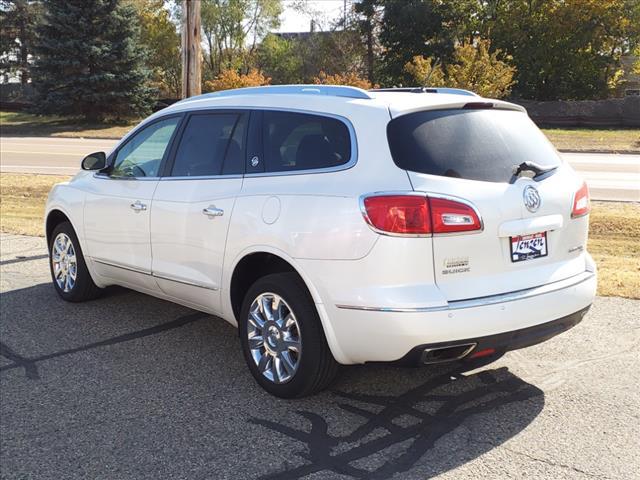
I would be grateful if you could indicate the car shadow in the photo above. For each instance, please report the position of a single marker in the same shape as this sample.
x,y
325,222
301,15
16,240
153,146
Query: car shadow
x,y
375,421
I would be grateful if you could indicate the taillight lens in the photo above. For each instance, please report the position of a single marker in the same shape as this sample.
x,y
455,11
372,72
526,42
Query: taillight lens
x,y
581,202
450,216
399,214
419,215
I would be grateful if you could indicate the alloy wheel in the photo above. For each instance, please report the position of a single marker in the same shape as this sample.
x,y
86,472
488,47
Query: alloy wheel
x,y
63,260
274,337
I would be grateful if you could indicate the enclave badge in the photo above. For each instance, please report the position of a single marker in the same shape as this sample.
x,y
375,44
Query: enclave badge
x,y
531,198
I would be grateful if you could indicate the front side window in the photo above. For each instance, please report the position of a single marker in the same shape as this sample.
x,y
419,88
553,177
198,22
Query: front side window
x,y
212,144
299,141
142,155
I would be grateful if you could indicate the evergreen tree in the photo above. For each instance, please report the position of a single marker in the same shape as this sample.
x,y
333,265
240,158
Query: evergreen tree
x,y
89,62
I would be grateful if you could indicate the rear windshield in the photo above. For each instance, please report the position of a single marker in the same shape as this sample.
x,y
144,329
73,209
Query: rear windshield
x,y
471,144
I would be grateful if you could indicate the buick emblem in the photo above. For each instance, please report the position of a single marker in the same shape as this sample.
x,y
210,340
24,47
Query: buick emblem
x,y
531,198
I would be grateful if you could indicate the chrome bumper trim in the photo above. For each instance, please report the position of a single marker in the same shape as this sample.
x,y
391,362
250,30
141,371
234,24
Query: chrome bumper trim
x,y
484,301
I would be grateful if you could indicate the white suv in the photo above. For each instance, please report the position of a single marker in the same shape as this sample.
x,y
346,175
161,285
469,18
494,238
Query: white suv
x,y
334,225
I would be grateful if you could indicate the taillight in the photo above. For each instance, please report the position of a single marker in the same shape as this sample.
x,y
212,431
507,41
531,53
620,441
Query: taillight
x,y
398,214
450,216
419,215
581,203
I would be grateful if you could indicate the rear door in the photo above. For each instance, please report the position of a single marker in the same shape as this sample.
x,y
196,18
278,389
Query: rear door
x,y
470,155
192,206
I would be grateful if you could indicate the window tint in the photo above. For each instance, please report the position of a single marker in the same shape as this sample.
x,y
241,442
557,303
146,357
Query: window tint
x,y
471,144
142,154
297,141
211,144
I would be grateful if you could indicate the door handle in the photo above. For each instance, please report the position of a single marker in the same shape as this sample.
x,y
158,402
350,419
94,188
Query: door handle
x,y
212,211
138,206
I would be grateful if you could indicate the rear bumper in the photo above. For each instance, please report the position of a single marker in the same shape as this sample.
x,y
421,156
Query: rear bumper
x,y
501,342
504,322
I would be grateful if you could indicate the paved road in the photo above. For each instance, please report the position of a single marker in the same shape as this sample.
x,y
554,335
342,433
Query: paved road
x,y
610,177
129,386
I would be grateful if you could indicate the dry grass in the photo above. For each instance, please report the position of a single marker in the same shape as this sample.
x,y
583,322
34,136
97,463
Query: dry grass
x,y
22,199
614,242
591,139
614,239
28,125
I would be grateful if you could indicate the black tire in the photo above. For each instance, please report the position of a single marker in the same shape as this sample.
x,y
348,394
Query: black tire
x,y
316,367
83,288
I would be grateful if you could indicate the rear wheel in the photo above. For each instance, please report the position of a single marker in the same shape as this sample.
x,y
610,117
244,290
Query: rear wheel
x,y
282,338
69,272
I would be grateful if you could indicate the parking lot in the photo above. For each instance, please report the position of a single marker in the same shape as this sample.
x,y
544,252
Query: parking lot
x,y
129,386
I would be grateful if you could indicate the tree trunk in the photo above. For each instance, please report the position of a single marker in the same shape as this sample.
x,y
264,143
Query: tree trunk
x,y
191,53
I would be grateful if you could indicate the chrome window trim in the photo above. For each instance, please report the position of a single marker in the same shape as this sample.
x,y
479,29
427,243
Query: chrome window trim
x,y
202,177
419,193
485,301
104,176
338,168
353,160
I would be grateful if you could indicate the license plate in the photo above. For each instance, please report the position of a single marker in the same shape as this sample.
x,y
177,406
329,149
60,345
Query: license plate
x,y
527,247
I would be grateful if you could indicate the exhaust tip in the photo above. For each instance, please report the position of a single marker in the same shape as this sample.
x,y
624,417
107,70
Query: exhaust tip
x,y
447,353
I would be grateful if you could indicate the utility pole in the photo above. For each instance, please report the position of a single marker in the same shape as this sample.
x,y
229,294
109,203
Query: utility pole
x,y
191,54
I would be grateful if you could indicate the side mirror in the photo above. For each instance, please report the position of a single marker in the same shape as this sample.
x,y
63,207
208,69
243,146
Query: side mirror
x,y
95,161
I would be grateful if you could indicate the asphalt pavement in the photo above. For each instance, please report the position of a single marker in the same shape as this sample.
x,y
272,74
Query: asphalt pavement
x,y
129,386
610,176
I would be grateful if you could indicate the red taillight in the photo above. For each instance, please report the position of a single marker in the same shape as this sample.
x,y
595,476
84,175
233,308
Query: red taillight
x,y
581,202
400,214
419,215
450,216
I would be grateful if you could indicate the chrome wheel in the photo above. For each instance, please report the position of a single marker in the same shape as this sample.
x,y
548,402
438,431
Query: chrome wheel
x,y
63,261
274,338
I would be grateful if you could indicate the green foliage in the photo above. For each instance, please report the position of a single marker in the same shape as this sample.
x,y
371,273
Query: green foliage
x,y
18,20
410,28
278,58
89,61
566,49
228,26
160,38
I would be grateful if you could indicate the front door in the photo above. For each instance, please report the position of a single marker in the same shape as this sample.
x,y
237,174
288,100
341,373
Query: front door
x,y
118,206
192,207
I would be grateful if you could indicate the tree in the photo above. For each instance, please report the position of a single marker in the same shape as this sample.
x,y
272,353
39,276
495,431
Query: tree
x,y
479,70
229,25
230,78
567,49
370,14
278,58
425,72
89,62
160,38
350,79
18,20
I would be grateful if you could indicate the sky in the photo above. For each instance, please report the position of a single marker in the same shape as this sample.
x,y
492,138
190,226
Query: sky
x,y
327,10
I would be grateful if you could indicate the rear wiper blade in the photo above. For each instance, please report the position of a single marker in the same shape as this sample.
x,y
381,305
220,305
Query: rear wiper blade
x,y
532,167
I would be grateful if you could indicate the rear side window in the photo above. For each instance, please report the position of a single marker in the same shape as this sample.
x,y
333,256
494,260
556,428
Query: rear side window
x,y
471,144
211,144
299,141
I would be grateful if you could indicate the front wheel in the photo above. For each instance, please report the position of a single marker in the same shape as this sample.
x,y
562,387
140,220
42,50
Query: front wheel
x,y
282,338
69,272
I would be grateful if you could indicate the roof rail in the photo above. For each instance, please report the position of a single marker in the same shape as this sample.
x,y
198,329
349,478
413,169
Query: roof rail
x,y
452,91
330,90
